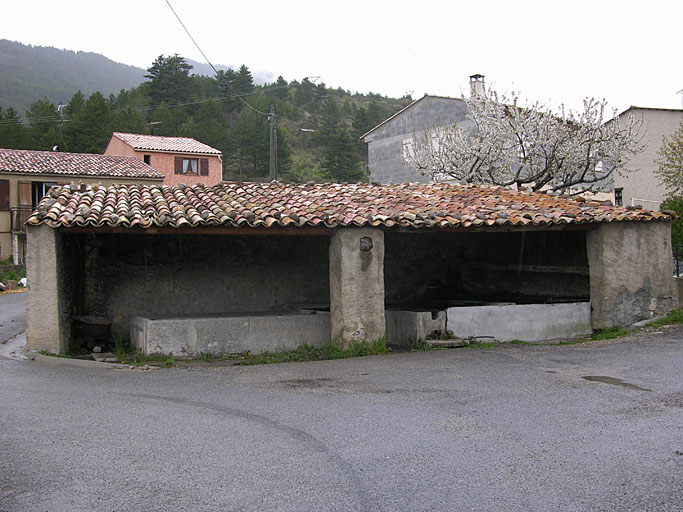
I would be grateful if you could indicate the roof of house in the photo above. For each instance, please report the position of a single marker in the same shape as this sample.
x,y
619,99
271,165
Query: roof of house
x,y
265,205
75,164
167,144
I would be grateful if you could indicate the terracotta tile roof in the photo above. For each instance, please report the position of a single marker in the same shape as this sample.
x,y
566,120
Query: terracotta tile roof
x,y
75,164
171,144
234,205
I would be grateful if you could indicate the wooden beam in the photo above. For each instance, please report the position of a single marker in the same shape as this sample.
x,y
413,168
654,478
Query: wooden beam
x,y
513,267
201,230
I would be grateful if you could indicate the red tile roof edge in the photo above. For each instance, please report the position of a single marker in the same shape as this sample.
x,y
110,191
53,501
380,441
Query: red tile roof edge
x,y
266,205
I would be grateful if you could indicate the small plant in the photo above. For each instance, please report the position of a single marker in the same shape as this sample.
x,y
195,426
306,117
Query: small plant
x,y
13,275
520,342
120,348
304,352
167,363
482,344
603,334
675,316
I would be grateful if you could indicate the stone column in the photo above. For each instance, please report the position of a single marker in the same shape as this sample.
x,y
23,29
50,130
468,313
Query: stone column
x,y
42,302
631,272
357,284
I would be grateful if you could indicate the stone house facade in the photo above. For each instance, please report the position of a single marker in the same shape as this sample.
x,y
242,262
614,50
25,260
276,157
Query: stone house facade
x,y
263,266
641,186
26,176
386,141
179,159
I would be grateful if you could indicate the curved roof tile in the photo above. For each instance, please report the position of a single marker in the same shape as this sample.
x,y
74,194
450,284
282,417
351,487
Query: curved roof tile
x,y
75,164
267,205
162,143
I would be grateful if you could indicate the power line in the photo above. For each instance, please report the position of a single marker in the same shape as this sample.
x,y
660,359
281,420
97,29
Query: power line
x,y
207,59
55,118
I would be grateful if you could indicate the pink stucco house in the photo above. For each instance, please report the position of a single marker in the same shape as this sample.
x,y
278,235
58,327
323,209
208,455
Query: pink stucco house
x,y
179,159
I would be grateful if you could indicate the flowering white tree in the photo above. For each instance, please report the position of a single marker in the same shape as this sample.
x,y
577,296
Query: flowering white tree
x,y
670,161
532,146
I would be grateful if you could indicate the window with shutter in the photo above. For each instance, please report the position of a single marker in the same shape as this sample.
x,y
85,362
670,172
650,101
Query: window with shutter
x,y
4,194
203,166
178,165
24,188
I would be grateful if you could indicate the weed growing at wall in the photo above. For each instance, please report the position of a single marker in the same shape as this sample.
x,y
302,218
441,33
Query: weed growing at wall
x,y
675,316
332,350
607,334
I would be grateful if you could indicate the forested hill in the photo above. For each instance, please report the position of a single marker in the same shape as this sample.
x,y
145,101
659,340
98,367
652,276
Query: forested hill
x,y
28,73
318,127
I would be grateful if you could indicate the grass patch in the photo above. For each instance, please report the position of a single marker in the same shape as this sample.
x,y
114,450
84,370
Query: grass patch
x,y
62,355
331,350
13,275
675,316
211,358
520,342
485,345
168,363
120,348
603,334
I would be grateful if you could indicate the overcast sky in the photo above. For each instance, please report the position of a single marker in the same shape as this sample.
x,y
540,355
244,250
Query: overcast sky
x,y
626,52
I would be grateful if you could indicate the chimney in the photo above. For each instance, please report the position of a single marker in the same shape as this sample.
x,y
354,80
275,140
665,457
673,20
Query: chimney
x,y
476,85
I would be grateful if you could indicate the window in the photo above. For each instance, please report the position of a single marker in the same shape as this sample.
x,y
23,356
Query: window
x,y
190,166
197,166
147,159
618,199
39,189
4,194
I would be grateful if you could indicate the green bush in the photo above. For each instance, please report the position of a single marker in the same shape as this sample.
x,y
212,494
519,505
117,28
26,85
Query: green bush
x,y
675,204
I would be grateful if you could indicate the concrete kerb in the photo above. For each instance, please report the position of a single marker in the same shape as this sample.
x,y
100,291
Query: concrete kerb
x,y
16,348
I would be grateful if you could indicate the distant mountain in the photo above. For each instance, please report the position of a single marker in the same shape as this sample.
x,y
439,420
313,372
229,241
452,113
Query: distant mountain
x,y
28,73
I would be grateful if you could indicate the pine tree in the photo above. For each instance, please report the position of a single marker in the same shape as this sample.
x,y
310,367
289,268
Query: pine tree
x,y
43,132
329,122
170,80
342,163
13,134
89,130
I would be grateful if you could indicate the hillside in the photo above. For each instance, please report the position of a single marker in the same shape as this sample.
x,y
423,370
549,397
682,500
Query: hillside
x,y
28,73
318,127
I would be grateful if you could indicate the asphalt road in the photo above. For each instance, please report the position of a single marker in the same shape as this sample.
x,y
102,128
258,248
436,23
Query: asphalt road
x,y
511,428
12,315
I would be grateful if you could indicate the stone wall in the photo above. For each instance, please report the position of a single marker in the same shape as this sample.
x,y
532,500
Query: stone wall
x,y
527,322
435,269
158,276
631,269
185,337
385,144
357,285
43,300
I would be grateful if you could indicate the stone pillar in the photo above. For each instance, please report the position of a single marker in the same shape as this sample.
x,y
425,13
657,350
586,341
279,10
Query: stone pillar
x,y
357,284
42,302
631,272
15,249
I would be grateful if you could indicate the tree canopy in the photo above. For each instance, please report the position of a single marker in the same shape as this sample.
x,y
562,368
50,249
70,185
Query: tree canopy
x,y
169,79
670,162
533,146
318,127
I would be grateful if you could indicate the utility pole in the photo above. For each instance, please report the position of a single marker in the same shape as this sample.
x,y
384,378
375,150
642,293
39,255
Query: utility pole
x,y
273,143
60,111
